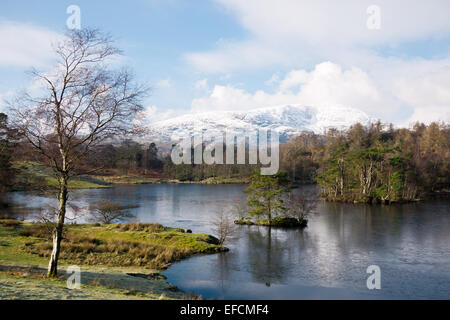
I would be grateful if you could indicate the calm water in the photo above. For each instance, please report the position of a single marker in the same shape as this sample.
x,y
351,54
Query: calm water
x,y
410,243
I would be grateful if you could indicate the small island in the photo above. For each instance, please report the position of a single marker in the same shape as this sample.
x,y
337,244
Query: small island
x,y
272,203
281,222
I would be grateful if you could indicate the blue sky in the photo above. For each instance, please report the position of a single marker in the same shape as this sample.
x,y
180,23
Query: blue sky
x,y
153,35
207,55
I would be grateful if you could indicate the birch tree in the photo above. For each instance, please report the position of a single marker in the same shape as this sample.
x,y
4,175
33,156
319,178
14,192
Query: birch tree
x,y
82,102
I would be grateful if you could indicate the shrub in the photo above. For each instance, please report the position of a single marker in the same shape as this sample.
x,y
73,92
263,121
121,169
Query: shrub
x,y
114,252
108,212
146,227
38,230
10,223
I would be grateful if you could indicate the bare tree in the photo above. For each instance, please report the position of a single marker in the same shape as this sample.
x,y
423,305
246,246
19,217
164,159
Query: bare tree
x,y
48,217
83,103
301,204
239,208
224,226
108,212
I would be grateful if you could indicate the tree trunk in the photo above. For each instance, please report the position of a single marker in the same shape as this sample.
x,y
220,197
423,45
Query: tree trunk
x,y
369,178
57,232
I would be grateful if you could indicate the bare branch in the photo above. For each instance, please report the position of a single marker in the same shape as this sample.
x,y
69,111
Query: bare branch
x,y
84,103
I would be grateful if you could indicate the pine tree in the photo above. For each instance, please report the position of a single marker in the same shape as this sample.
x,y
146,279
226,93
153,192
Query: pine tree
x,y
265,200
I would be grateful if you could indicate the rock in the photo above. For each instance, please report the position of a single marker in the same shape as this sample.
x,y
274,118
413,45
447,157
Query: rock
x,y
212,240
184,230
149,276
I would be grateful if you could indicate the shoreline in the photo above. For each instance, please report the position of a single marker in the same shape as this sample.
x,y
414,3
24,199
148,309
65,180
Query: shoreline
x,y
35,177
117,275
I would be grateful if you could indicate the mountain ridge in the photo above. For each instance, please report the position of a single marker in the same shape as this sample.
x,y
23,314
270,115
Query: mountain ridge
x,y
287,119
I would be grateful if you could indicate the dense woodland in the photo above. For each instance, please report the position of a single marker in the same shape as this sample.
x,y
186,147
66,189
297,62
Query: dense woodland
x,y
373,164
378,163
6,151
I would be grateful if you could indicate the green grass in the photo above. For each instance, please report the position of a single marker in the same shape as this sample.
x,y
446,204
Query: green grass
x,y
17,286
170,237
10,254
35,176
128,179
281,222
17,282
75,184
109,245
223,180
118,261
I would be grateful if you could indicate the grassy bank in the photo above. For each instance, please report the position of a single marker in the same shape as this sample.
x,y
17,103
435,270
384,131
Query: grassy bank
x,y
30,283
127,179
280,222
117,260
221,180
35,176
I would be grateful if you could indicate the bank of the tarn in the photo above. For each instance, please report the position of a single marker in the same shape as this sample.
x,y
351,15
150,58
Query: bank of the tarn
x,y
280,222
117,260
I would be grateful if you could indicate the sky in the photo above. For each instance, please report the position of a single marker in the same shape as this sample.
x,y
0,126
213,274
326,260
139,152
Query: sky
x,y
388,58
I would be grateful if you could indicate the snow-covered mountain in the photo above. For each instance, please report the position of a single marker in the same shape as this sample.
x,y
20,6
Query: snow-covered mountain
x,y
288,120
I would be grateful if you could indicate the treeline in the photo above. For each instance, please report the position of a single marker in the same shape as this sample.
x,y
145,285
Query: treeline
x,y
377,163
199,172
124,157
130,157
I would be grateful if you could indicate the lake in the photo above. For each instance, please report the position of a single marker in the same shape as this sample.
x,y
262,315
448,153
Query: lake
x,y
327,260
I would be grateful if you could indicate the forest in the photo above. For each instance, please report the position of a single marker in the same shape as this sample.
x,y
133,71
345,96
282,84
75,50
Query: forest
x,y
378,163
374,164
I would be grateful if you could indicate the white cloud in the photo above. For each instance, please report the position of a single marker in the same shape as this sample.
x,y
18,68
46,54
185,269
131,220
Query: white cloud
x,y
299,33
201,84
326,85
232,56
429,95
164,83
412,94
295,35
273,80
340,22
26,45
228,98
153,114
4,97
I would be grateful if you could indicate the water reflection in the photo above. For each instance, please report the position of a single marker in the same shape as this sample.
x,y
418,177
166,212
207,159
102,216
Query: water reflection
x,y
326,260
266,255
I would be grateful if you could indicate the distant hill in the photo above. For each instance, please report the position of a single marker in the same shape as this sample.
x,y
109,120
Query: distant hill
x,y
288,120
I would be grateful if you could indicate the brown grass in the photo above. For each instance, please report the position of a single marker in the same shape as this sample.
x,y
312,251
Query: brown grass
x,y
146,227
28,273
113,252
10,223
38,230
145,245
